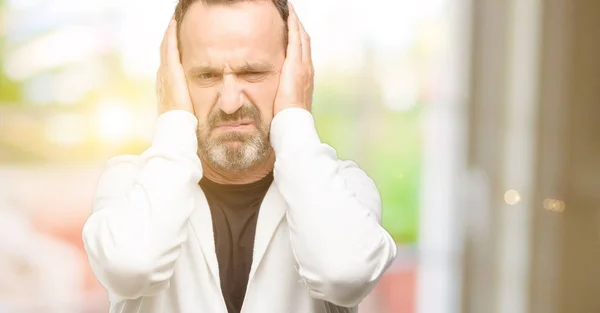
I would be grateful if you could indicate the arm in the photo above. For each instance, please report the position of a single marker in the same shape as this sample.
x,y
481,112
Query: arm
x,y
334,213
141,209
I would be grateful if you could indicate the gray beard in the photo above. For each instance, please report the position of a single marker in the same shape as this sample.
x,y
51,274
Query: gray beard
x,y
246,152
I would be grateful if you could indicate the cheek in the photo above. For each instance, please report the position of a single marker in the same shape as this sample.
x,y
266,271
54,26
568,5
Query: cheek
x,y
263,95
203,100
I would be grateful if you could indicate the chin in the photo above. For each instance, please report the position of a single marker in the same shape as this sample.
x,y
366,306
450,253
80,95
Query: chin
x,y
234,151
235,156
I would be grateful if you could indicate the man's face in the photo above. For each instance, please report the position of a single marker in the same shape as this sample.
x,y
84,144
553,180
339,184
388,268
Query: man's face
x,y
232,56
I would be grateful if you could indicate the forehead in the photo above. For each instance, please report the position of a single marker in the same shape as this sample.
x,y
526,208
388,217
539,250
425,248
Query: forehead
x,y
242,29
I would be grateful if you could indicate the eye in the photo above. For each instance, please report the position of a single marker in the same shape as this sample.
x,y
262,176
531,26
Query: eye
x,y
205,79
206,76
254,76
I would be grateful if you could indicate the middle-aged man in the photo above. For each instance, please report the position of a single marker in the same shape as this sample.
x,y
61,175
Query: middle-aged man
x,y
237,206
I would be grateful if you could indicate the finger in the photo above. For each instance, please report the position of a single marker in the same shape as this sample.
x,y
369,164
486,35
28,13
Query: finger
x,y
306,48
172,49
163,47
294,40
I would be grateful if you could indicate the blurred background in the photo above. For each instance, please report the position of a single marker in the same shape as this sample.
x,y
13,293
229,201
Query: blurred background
x,y
478,119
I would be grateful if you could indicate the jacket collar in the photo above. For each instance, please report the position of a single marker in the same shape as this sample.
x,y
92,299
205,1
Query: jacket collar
x,y
271,213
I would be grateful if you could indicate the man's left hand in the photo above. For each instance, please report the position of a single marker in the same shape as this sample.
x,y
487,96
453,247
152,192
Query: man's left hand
x,y
297,75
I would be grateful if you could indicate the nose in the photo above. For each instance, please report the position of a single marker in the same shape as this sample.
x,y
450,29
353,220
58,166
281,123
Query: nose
x,y
230,97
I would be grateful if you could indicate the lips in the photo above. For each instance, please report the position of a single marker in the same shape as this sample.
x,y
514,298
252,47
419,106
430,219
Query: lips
x,y
234,124
238,126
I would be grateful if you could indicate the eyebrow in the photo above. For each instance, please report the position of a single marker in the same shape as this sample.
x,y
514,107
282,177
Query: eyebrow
x,y
247,67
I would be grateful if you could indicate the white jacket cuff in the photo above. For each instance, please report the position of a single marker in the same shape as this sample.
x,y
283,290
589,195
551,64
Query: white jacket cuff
x,y
176,131
293,129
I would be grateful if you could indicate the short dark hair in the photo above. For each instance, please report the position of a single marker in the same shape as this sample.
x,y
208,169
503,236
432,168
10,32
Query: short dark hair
x,y
281,5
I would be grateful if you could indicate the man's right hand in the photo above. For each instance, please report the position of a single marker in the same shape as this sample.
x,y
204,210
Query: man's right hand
x,y
171,84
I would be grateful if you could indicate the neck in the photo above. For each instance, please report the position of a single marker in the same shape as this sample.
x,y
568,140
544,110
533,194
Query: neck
x,y
256,173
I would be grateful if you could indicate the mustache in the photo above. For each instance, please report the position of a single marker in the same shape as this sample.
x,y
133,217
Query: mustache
x,y
246,112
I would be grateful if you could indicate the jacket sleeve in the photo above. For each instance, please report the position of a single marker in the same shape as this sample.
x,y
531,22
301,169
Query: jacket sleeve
x,y
334,213
141,209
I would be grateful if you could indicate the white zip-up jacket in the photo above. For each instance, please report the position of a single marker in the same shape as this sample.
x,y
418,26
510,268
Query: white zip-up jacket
x,y
319,245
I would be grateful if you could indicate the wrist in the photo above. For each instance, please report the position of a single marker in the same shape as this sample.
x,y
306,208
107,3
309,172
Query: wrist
x,y
293,128
289,106
176,130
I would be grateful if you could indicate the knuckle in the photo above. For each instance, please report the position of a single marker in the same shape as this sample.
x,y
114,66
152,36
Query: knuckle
x,y
305,76
160,79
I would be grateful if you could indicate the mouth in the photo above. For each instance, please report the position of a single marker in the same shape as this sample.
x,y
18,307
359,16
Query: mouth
x,y
235,126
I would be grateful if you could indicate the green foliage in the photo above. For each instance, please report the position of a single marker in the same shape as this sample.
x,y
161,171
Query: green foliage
x,y
396,170
10,91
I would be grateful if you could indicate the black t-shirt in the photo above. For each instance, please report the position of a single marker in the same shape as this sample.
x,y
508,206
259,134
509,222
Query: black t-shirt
x,y
234,210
